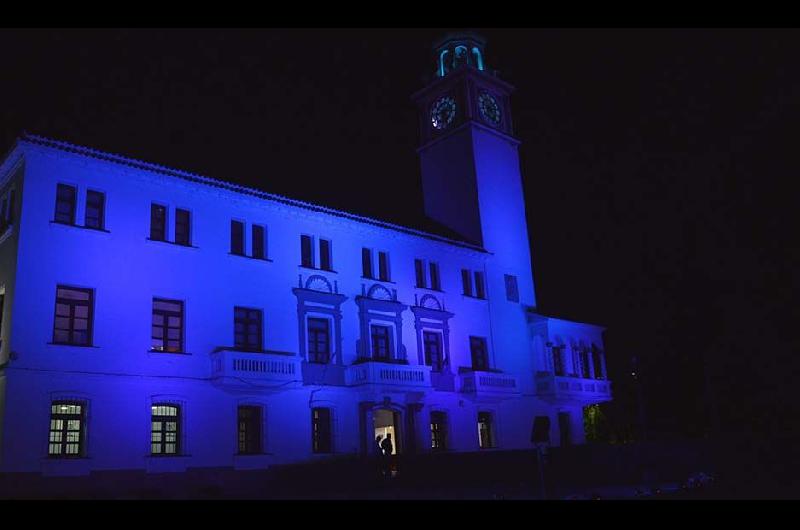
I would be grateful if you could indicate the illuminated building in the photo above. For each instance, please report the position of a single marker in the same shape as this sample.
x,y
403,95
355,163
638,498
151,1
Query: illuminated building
x,y
160,320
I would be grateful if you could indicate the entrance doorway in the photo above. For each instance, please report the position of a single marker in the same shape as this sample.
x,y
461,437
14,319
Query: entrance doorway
x,y
387,423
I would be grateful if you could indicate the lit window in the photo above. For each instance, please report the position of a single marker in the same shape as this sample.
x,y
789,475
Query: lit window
x,y
73,319
67,429
165,429
485,430
167,325
321,430
438,431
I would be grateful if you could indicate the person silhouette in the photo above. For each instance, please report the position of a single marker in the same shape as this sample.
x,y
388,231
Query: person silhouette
x,y
381,457
387,447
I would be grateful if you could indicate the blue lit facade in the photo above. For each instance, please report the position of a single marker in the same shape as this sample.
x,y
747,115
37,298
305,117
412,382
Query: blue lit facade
x,y
157,320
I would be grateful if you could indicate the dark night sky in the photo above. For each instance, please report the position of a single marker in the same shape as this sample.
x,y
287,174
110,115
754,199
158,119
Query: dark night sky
x,y
657,165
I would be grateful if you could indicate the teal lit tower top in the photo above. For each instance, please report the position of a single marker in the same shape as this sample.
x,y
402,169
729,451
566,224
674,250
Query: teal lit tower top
x,y
457,50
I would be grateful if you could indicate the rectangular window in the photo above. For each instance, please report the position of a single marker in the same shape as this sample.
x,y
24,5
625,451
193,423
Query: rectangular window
x,y
318,340
480,290
65,204
432,343
167,325
306,252
183,227
466,280
158,222
584,357
247,329
512,291
259,242
237,238
249,430
67,429
95,210
438,431
381,343
558,360
325,260
366,263
485,430
383,266
480,359
73,320
321,430
434,269
165,430
419,269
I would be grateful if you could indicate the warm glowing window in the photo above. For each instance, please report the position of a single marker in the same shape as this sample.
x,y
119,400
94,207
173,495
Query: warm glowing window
x,y
67,429
65,204
165,432
485,430
167,325
73,318
249,430
247,329
438,431
321,430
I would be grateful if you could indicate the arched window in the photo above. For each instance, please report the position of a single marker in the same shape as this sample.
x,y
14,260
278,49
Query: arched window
x,y
442,63
477,58
461,57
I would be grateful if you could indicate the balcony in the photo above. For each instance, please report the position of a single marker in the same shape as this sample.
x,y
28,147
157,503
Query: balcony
x,y
488,383
561,389
393,375
241,368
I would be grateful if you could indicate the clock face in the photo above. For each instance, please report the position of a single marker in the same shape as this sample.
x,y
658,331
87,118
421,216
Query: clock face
x,y
443,112
490,110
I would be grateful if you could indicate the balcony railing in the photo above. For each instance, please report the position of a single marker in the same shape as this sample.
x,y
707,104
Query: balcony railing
x,y
572,389
255,366
379,373
479,382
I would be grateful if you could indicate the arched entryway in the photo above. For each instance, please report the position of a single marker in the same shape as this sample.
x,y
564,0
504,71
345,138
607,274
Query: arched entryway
x,y
387,424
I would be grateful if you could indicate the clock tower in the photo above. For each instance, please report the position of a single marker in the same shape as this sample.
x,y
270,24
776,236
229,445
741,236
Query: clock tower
x,y
470,161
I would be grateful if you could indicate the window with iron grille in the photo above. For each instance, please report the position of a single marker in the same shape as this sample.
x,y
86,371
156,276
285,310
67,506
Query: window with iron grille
x,y
158,222
381,342
318,340
432,344
321,430
183,229
247,329
67,429
165,432
73,318
65,204
438,431
249,430
485,430
167,325
480,358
